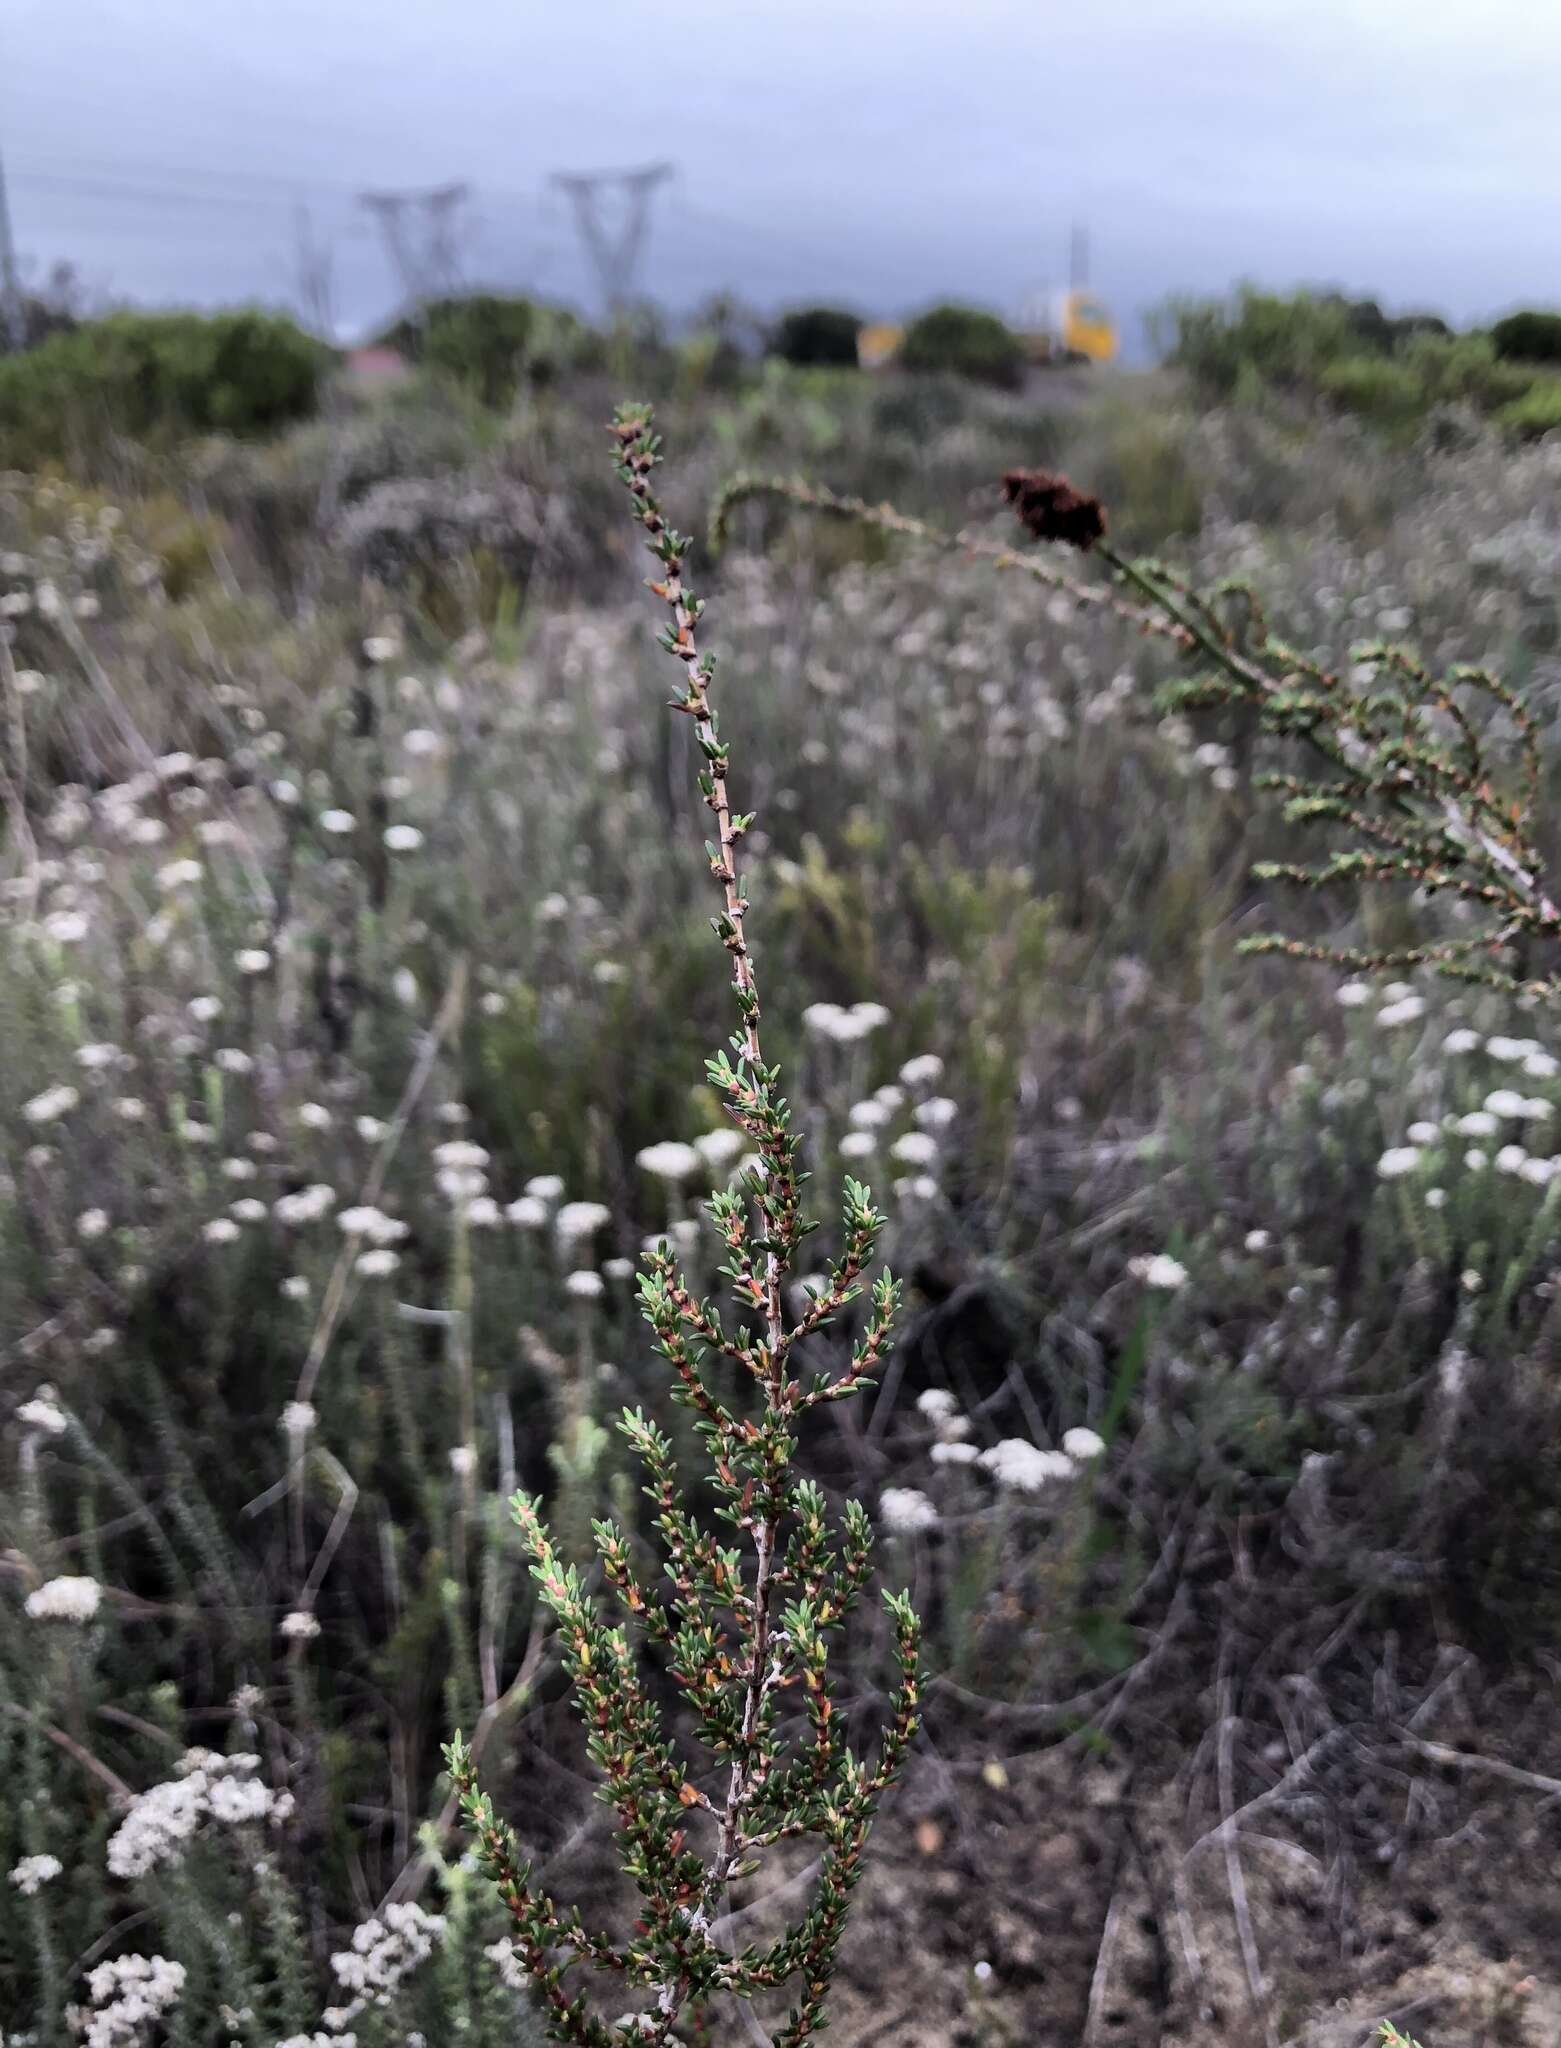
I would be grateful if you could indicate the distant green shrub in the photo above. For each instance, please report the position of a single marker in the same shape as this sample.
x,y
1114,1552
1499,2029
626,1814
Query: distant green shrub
x,y
1392,371
144,375
1283,342
817,335
1528,337
1379,389
491,344
966,341
1537,412
1465,369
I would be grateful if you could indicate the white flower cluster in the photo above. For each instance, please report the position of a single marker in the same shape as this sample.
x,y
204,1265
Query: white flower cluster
x,y
577,1220
906,1511
65,1599
1159,1270
670,1161
51,1105
1015,1464
208,1787
308,1205
720,1149
128,1995
384,1951
42,1413
461,1177
367,1221
512,1971
1501,1106
843,1026
33,1873
1022,1467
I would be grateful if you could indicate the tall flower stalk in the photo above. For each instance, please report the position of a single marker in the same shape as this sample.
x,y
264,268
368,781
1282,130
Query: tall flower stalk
x,y
733,1635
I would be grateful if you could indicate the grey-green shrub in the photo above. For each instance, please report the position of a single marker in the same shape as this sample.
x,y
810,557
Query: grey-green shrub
x,y
150,375
967,341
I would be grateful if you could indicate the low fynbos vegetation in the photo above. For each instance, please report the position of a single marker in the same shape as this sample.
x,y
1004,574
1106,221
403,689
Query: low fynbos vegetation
x,y
1400,375
131,375
357,979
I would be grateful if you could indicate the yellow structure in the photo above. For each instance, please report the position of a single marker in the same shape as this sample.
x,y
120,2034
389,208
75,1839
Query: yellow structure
x,y
1061,327
1071,326
877,345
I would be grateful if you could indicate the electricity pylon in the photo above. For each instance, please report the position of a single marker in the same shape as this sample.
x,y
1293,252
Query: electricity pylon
x,y
614,250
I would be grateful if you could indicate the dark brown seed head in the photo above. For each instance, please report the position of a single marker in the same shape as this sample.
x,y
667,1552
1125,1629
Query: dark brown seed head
x,y
1053,510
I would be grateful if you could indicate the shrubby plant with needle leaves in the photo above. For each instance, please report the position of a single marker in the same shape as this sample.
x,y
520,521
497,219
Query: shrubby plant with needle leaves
x,y
1404,755
744,1629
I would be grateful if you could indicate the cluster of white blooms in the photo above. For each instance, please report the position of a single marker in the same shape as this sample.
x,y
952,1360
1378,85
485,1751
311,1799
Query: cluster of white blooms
x,y
512,1971
1082,1444
915,1148
1398,1161
670,1161
129,1994
300,1626
65,1599
936,1113
577,1220
51,1105
42,1414
924,1071
1160,1270
1406,1010
307,1205
721,1148
33,1873
842,1026
367,1221
906,1511
208,1786
1023,1467
98,1058
584,1285
384,1951
940,1408
461,1177
298,1418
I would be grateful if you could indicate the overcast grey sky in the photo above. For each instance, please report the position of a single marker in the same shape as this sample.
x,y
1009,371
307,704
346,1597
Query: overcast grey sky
x,y
880,151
